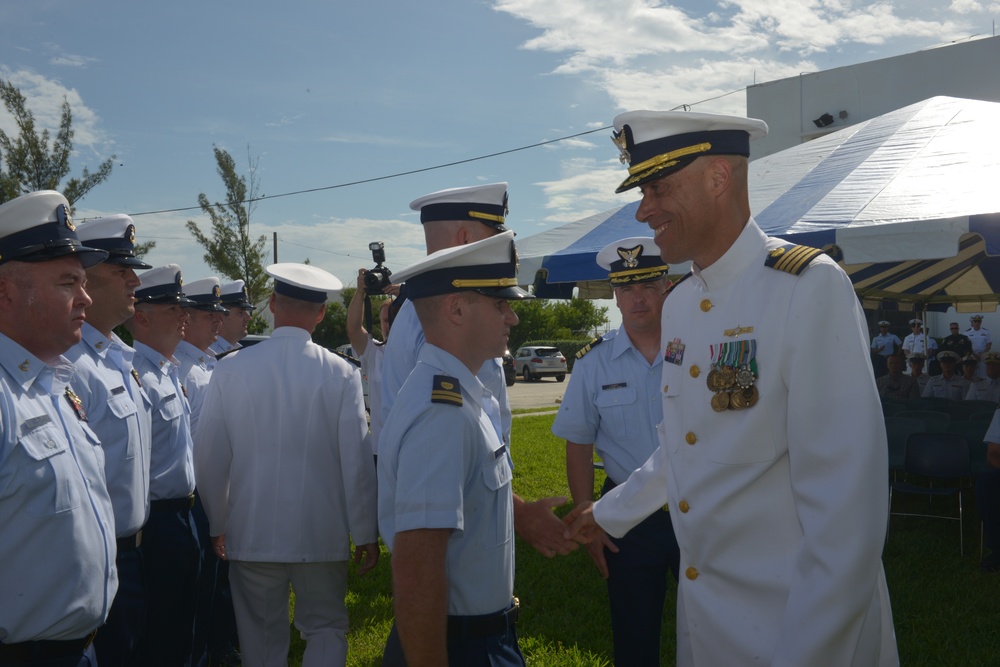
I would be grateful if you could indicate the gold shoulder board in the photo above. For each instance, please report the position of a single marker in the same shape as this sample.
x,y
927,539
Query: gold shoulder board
x,y
586,348
793,259
446,390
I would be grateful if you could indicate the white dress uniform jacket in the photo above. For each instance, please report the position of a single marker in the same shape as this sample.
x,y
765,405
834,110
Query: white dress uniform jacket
x,y
57,546
401,351
279,454
118,412
782,506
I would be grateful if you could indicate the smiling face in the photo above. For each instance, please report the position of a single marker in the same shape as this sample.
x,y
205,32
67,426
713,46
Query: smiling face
x,y
43,304
697,213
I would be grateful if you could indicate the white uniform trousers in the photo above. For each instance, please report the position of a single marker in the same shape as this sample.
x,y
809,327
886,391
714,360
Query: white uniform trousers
x,y
260,600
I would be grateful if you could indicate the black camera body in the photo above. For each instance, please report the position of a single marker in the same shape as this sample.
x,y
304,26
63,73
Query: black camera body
x,y
377,279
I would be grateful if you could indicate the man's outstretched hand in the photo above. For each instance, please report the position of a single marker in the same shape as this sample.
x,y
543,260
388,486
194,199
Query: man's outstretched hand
x,y
538,524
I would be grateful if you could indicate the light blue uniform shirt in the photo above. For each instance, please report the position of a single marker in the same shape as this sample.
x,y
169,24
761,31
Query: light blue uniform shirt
x,y
195,372
613,402
221,346
118,412
442,465
171,467
889,343
401,351
984,389
57,538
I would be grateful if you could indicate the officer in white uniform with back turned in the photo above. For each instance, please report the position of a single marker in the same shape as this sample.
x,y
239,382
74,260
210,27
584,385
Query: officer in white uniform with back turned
x,y
445,499
612,404
781,558
118,410
287,478
57,525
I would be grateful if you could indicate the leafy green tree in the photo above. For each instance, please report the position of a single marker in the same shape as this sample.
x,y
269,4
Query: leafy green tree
x,y
230,249
29,162
579,316
542,319
331,332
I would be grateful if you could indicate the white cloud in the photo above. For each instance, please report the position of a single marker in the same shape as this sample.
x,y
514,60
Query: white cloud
x,y
587,186
44,98
652,54
69,60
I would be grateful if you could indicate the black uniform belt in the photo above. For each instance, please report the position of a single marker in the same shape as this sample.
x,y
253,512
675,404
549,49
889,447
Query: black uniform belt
x,y
172,504
129,543
44,649
478,627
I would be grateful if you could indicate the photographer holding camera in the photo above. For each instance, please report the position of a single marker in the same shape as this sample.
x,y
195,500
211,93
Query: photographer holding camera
x,y
369,351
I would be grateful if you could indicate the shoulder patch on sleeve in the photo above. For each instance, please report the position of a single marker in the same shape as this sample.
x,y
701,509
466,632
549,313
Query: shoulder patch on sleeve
x,y
793,259
446,390
586,348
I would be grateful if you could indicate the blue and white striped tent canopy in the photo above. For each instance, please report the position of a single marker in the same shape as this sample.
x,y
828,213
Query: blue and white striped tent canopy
x,y
908,202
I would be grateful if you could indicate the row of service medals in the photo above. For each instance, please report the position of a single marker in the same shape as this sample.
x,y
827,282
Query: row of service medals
x,y
733,375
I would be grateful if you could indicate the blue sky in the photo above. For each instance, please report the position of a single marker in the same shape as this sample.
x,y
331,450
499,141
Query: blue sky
x,y
329,93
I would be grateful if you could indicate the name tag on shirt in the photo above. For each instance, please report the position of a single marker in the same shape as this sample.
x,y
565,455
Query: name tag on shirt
x,y
117,390
617,385
31,424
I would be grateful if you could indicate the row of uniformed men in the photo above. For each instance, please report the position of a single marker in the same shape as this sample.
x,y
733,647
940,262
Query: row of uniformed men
x,y
97,483
950,383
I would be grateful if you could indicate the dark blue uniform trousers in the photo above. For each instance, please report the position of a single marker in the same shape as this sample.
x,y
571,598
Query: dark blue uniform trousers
x,y
172,556
500,650
637,587
118,638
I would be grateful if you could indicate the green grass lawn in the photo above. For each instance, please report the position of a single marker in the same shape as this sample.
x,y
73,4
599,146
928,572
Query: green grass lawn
x,y
945,611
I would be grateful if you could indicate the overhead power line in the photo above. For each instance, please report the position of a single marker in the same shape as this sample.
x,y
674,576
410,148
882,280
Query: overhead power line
x,y
388,176
375,179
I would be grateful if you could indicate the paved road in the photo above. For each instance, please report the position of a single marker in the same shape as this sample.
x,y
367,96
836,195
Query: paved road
x,y
538,394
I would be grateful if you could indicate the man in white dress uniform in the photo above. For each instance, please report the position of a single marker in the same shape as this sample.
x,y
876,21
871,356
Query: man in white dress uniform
x,y
776,483
286,479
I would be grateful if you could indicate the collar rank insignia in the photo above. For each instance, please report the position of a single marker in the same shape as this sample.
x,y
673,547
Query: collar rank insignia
x,y
446,390
672,286
185,390
793,259
24,366
135,376
77,404
588,347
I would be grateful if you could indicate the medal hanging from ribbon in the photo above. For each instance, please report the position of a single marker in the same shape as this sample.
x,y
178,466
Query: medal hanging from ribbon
x,y
733,375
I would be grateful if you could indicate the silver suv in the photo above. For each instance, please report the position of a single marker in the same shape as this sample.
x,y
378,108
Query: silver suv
x,y
538,361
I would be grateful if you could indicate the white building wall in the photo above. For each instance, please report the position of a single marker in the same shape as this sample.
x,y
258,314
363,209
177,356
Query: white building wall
x,y
970,70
